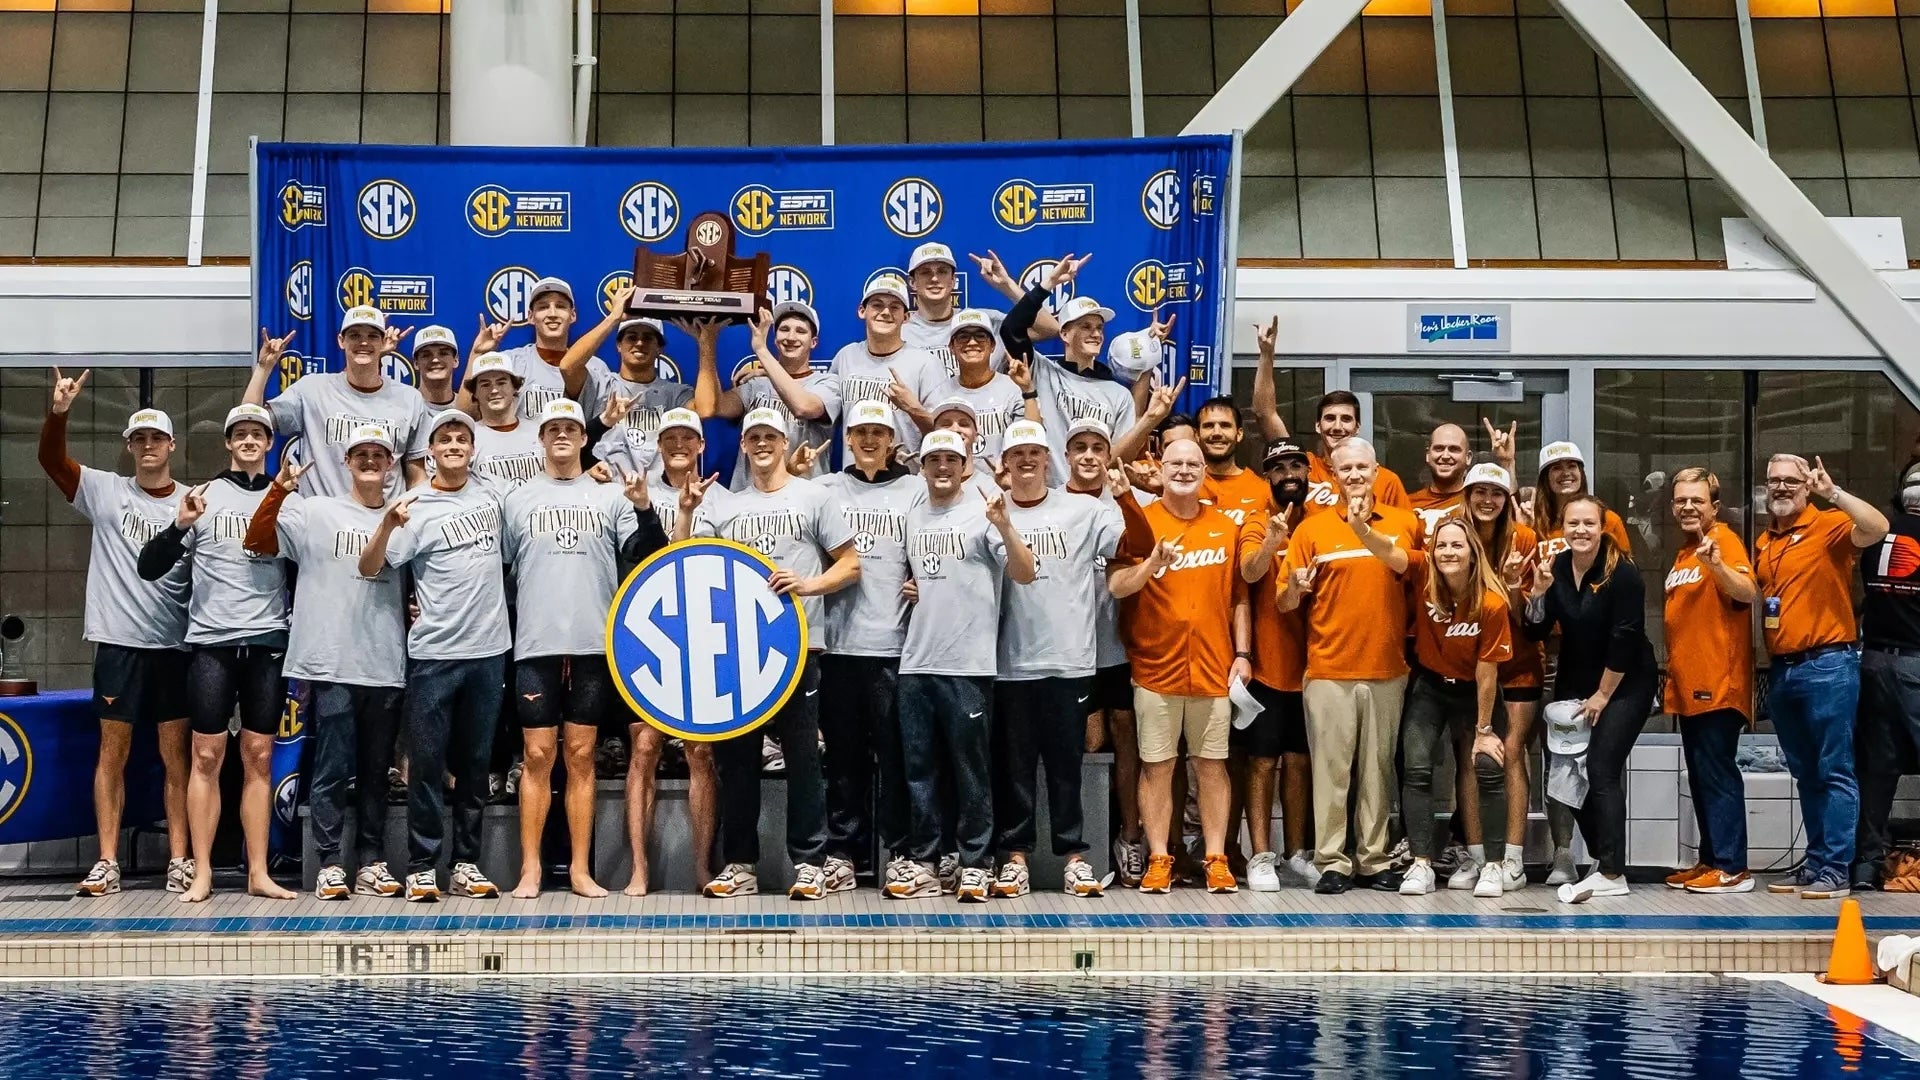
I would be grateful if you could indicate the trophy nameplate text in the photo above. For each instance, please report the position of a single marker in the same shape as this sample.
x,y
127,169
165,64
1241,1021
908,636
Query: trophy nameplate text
x,y
707,281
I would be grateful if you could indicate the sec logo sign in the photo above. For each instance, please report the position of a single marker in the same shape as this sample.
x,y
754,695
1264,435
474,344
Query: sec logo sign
x,y
649,211
789,283
1160,199
16,766
386,209
912,207
509,291
610,287
299,290
699,645
1036,272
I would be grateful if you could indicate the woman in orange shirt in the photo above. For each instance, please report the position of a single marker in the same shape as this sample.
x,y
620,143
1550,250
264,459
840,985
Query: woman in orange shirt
x,y
1511,545
1461,637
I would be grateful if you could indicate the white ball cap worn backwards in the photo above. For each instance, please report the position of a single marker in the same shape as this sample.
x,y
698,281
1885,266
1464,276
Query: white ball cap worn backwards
x,y
642,325
1089,424
870,413
1134,352
562,409
492,363
1490,474
244,411
766,418
1082,306
930,253
363,316
1561,451
148,420
938,441
448,416
1023,433
970,319
685,419
434,335
550,284
372,434
887,285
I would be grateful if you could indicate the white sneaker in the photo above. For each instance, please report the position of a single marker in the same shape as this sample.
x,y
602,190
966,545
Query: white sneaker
x,y
1262,872
103,879
899,868
1401,856
1418,880
1594,884
1491,883
1464,875
772,758
1513,874
949,872
1129,862
1079,879
809,883
1302,865
331,884
423,888
467,880
736,879
840,875
916,882
1562,872
179,874
374,879
1014,881
973,886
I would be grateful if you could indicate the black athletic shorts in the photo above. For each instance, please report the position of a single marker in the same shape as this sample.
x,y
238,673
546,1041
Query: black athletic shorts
x,y
1113,688
1522,693
549,689
1281,727
139,685
219,677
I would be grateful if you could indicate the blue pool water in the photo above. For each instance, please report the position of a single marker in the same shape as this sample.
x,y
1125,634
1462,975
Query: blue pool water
x,y
1171,1028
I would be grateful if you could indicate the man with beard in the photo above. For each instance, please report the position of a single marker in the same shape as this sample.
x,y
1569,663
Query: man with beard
x,y
1886,735
1448,457
1336,419
882,367
1804,559
1274,746
782,378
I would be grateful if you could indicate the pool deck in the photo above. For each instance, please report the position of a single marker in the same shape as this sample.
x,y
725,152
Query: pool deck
x,y
144,931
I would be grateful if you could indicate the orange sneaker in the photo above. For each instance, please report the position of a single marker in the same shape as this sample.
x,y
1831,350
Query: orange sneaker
x,y
1719,881
1679,878
1159,875
1220,875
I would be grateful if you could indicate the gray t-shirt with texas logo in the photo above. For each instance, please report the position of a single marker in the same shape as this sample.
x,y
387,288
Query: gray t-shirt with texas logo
x,y
237,595
958,561
322,411
122,609
452,544
796,526
345,628
870,618
1049,626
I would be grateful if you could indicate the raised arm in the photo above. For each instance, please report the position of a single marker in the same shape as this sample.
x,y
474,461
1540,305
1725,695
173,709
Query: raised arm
x,y
1359,510
1021,565
373,557
161,553
59,465
1869,524
573,364
268,359
1266,409
1159,405
1735,582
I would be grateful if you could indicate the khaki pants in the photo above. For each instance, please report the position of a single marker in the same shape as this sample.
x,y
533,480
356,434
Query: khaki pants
x,y
1352,728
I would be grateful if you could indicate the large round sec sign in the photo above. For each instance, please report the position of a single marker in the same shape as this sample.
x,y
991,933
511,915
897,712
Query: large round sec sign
x,y
700,646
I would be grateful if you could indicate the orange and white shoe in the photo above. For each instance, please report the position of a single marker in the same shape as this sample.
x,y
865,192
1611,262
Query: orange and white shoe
x,y
737,879
1079,880
1219,876
1679,878
973,885
1719,881
1159,875
102,880
330,883
1013,881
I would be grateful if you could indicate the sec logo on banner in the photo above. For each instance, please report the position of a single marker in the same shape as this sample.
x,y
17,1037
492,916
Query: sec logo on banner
x,y
1019,205
386,209
16,766
610,286
699,645
1036,272
494,211
912,207
759,210
302,205
509,291
787,283
649,211
299,290
1152,283
1160,199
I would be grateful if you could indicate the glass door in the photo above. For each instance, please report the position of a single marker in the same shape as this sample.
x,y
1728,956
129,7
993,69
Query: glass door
x,y
1399,409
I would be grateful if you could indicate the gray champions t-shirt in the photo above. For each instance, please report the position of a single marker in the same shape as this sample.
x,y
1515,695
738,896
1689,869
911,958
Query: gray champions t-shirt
x,y
122,609
666,500
345,628
1049,626
866,377
237,595
995,405
870,618
544,382
630,443
563,542
452,544
1109,650
507,457
1066,396
922,333
760,394
322,411
796,527
957,561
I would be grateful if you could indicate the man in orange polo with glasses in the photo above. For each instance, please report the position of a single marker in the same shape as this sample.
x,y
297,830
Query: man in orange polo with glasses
x,y
1805,565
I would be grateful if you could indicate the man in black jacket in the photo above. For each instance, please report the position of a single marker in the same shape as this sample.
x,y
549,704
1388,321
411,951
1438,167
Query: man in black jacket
x,y
1887,724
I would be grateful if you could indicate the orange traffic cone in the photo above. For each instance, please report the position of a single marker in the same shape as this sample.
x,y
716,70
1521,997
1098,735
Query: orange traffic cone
x,y
1849,964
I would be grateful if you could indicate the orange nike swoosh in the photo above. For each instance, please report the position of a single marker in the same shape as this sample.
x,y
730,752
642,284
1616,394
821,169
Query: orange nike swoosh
x,y
108,700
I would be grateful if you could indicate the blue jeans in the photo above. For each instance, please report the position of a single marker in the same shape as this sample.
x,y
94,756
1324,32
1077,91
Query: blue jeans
x,y
1812,705
453,707
353,729
1710,742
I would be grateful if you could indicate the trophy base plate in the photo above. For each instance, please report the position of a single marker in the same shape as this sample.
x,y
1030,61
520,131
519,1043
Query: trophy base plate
x,y
18,688
668,304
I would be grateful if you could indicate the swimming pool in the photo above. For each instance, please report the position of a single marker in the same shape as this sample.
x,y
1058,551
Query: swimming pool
x,y
1173,1027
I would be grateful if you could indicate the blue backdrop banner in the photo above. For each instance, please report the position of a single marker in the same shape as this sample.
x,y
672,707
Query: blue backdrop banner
x,y
48,746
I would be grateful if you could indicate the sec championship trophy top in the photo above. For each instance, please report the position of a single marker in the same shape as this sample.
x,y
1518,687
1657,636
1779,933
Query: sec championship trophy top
x,y
706,281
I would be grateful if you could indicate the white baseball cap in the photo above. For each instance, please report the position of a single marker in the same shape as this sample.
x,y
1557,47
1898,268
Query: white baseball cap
x,y
1568,731
1134,352
655,325
448,416
1561,451
1488,473
763,418
1089,423
492,363
1024,433
1082,306
370,433
547,285
930,253
434,335
795,307
956,405
937,441
889,285
148,420
363,316
870,413
970,319
561,409
680,418
244,411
